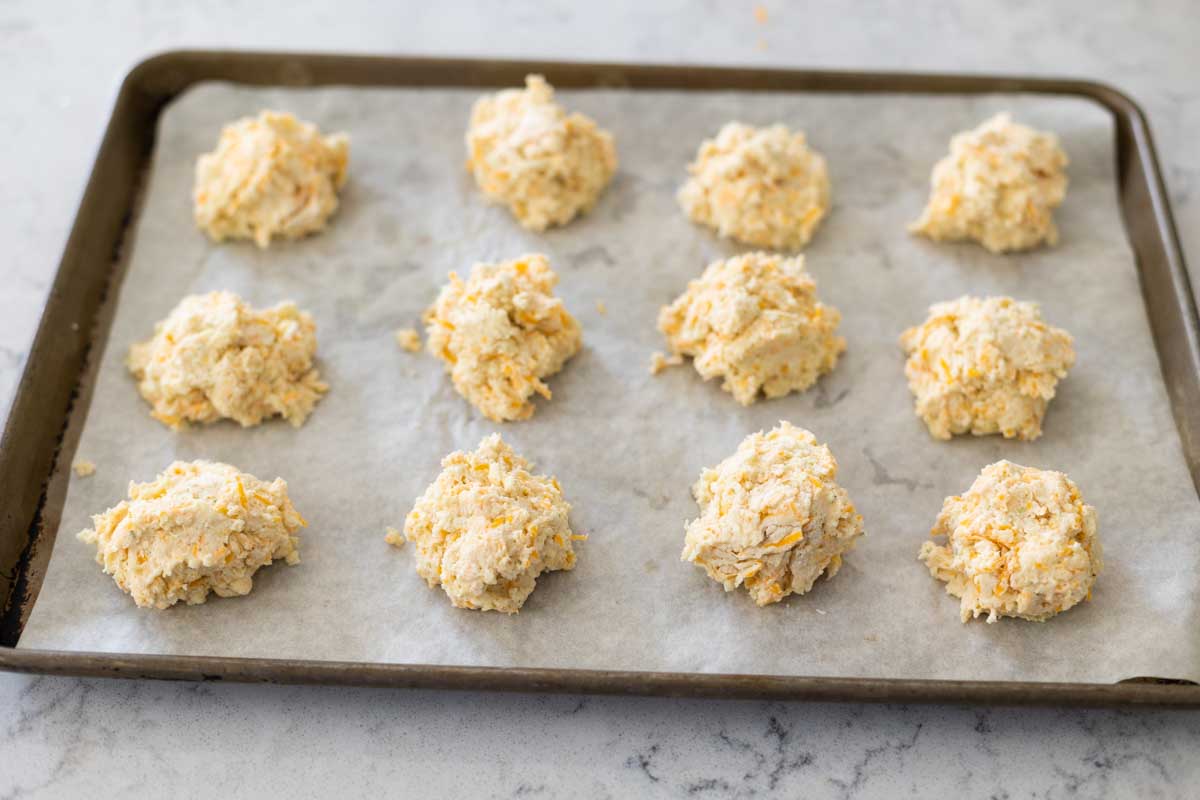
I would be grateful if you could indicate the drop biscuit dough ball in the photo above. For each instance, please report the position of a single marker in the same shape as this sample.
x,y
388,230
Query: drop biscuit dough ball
x,y
487,528
270,176
1020,543
761,186
527,153
500,332
200,527
985,366
999,186
772,518
215,357
755,321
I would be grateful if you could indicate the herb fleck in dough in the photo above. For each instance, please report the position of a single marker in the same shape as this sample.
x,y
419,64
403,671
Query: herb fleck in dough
x,y
215,357
761,186
271,175
985,366
1020,543
998,186
771,516
527,153
487,528
500,333
755,321
200,527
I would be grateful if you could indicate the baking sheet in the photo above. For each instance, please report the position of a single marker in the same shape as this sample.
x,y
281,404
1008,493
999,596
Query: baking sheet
x,y
626,446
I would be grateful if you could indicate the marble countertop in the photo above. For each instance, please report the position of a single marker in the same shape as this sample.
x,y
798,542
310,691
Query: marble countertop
x,y
60,65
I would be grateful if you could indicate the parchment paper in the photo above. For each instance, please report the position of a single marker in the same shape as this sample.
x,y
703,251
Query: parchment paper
x,y
627,446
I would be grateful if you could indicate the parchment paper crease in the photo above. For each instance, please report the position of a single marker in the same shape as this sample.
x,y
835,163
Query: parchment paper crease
x,y
627,446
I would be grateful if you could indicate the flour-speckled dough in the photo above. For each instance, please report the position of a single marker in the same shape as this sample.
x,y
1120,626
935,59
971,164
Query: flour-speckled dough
x,y
409,340
199,527
755,321
985,366
772,518
487,528
270,176
500,333
527,153
1020,543
215,357
998,186
761,186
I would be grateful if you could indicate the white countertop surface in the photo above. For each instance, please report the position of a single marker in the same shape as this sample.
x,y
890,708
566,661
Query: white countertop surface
x,y
60,65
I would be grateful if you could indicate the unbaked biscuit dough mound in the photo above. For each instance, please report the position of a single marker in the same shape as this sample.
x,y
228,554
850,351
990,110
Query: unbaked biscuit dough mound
x,y
527,153
760,186
1020,543
755,321
200,527
216,357
487,528
271,175
998,186
500,332
771,517
985,366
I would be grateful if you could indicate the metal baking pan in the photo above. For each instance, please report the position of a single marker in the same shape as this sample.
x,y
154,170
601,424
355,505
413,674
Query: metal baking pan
x,y
39,436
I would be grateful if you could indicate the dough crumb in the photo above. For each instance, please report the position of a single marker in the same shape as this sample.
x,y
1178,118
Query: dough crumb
x,y
659,362
761,186
601,308
1020,543
409,339
755,321
215,357
771,517
527,153
393,537
83,468
199,527
486,528
998,186
985,366
271,175
500,332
